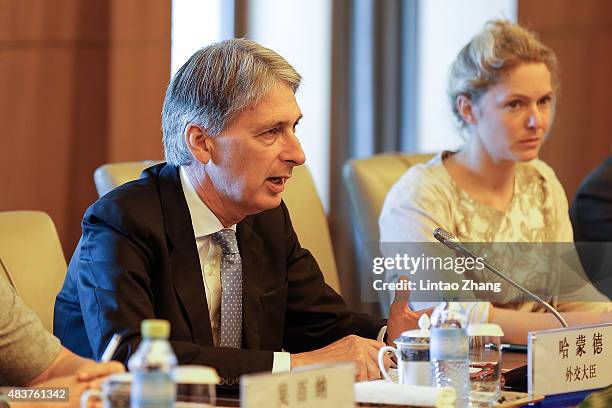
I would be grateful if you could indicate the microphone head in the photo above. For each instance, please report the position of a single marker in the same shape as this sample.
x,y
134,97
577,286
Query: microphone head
x,y
451,241
443,235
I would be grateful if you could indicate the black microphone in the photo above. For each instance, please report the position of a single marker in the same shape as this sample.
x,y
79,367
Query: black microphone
x,y
450,241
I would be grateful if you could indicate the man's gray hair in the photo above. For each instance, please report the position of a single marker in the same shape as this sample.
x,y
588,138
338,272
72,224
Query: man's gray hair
x,y
215,85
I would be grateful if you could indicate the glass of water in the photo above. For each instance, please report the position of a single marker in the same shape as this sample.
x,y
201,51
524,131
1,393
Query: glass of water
x,y
195,386
485,364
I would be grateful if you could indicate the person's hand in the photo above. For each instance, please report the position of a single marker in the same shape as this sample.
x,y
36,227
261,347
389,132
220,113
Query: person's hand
x,y
401,317
95,373
89,375
75,389
363,352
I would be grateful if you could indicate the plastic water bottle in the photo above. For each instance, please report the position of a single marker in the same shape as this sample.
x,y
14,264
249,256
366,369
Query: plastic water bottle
x,y
449,350
152,367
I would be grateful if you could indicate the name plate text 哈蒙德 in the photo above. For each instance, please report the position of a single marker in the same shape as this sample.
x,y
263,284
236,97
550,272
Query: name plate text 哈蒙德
x,y
572,359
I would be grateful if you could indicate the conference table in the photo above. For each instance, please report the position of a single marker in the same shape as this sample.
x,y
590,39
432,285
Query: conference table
x,y
510,362
511,399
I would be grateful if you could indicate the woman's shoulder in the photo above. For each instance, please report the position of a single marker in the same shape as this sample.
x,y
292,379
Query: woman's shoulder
x,y
423,181
420,200
421,174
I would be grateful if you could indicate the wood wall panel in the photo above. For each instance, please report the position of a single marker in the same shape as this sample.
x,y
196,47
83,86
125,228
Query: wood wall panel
x,y
41,21
140,56
581,35
132,72
81,84
35,101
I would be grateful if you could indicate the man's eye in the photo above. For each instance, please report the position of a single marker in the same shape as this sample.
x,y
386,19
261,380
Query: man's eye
x,y
274,131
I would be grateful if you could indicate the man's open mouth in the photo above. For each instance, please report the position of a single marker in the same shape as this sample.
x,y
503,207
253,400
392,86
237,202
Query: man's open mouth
x,y
276,180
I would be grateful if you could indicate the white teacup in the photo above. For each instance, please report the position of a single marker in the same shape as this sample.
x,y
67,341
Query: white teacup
x,y
412,356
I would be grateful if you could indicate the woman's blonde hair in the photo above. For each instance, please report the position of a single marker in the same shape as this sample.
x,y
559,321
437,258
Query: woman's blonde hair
x,y
499,47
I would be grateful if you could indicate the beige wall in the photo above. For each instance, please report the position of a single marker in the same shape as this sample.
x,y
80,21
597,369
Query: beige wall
x,y
580,32
81,84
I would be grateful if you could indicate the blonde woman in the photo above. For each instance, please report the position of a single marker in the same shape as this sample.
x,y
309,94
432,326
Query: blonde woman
x,y
503,87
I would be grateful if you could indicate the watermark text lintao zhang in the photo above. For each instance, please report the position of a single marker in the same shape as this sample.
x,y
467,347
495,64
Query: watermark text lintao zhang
x,y
428,285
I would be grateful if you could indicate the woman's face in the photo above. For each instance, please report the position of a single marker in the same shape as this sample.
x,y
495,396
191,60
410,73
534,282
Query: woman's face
x,y
512,118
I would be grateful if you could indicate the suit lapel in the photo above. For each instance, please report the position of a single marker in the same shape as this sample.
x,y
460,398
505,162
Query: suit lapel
x,y
251,248
184,258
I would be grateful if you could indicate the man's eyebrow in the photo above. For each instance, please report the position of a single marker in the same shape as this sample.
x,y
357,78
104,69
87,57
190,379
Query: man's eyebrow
x,y
270,125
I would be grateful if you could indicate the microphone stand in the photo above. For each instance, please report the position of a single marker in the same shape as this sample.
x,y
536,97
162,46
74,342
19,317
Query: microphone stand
x,y
450,241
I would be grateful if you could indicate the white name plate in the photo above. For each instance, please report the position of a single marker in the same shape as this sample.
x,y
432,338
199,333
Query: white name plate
x,y
567,360
321,386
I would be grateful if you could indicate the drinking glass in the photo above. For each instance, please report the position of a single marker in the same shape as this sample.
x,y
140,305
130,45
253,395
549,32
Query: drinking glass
x,y
485,363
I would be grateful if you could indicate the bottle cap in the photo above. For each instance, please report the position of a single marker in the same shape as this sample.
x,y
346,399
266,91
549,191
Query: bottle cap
x,y
419,335
155,328
424,323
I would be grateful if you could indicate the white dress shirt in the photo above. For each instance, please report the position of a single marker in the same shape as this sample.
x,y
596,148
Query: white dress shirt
x,y
205,223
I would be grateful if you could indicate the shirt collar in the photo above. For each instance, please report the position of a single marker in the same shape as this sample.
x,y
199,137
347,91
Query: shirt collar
x,y
203,220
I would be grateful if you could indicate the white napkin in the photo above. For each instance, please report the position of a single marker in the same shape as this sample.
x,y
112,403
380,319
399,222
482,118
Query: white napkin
x,y
383,392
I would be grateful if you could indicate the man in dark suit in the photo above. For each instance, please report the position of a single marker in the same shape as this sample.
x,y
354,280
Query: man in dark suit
x,y
205,241
591,216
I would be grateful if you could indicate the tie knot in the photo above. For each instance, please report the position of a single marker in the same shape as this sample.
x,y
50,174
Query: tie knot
x,y
226,239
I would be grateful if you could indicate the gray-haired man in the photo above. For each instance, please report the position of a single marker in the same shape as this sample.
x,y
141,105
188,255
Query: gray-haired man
x,y
205,241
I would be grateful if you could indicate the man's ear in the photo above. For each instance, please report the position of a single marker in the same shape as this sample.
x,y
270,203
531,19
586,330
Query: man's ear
x,y
466,109
199,142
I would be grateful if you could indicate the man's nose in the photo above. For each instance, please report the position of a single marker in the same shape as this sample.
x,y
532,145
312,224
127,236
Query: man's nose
x,y
293,151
